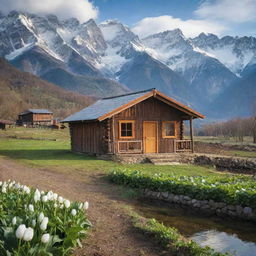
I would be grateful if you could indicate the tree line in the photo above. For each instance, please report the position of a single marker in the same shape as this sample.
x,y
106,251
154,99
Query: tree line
x,y
237,128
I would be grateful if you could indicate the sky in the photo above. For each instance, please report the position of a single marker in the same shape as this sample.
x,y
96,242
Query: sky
x,y
145,17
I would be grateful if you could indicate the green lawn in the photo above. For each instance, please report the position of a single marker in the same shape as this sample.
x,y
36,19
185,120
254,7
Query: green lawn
x,y
53,151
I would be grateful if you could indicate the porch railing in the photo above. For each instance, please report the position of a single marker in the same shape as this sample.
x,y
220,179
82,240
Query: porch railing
x,y
131,146
183,145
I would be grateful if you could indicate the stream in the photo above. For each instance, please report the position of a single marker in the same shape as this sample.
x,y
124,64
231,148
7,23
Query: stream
x,y
235,236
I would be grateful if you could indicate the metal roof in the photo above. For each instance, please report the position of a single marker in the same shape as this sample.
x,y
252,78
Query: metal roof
x,y
103,107
107,107
37,111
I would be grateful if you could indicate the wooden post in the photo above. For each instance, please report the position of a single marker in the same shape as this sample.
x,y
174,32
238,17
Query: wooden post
x,y
191,133
114,135
108,136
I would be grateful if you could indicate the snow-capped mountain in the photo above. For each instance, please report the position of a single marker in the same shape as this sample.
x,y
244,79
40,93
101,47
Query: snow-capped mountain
x,y
109,58
234,52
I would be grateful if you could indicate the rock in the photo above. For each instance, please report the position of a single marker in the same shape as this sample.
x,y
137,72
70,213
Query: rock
x,y
165,195
170,197
231,207
187,198
247,211
239,209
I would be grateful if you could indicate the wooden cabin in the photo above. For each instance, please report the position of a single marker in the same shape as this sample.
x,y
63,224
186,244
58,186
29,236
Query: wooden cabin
x,y
5,123
140,123
34,117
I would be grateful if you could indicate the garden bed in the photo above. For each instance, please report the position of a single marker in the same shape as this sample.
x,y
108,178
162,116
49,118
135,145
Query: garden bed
x,y
35,222
229,195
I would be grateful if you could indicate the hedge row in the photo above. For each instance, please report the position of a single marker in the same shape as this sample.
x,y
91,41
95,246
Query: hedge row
x,y
236,190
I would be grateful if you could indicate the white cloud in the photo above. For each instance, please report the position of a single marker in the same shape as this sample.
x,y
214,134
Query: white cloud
x,y
235,11
190,28
80,9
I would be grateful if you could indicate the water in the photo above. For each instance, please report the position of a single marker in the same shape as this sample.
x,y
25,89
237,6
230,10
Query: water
x,y
236,236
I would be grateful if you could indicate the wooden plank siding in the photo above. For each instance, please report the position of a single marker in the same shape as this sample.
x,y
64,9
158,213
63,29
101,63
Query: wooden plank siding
x,y
151,110
88,137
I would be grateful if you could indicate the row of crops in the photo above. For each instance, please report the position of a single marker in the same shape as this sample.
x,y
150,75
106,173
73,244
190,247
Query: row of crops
x,y
237,190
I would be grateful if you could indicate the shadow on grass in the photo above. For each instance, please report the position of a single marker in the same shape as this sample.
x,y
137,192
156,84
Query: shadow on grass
x,y
44,154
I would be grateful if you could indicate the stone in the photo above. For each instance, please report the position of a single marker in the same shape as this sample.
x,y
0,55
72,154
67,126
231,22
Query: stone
x,y
239,209
187,198
247,211
165,195
170,197
231,207
194,201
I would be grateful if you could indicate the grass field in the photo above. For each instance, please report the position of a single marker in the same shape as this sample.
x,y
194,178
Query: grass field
x,y
51,148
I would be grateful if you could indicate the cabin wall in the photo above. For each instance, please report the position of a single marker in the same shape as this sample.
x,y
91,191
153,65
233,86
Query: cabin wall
x,y
88,137
150,110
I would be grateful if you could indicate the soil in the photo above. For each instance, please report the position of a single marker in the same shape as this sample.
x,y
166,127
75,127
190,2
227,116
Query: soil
x,y
220,149
112,233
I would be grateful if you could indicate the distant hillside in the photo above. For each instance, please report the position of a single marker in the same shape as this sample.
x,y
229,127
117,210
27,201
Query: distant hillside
x,y
20,90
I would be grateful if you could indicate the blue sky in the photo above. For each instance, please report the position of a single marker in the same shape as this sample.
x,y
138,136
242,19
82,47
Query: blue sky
x,y
144,17
131,11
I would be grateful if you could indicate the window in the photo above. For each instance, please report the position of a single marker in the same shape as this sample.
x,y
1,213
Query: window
x,y
169,129
126,129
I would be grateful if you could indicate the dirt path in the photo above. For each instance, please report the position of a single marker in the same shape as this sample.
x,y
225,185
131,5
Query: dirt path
x,y
112,233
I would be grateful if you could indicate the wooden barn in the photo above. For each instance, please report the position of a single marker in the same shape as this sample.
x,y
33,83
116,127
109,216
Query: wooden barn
x,y
4,123
140,123
33,117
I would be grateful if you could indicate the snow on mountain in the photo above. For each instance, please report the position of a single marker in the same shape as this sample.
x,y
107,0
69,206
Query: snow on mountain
x,y
66,52
234,52
122,45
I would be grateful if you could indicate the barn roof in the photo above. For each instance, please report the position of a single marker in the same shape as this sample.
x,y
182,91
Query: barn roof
x,y
37,111
107,107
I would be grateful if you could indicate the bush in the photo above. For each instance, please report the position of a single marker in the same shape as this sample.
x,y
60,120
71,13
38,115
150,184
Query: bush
x,y
39,223
231,190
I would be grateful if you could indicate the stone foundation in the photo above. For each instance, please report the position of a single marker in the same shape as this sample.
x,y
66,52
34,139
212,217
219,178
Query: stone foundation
x,y
204,206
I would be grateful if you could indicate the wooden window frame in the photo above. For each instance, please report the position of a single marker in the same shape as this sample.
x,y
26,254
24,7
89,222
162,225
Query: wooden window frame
x,y
164,130
133,129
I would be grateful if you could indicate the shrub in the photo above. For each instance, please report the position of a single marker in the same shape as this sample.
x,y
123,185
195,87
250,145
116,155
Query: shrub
x,y
39,223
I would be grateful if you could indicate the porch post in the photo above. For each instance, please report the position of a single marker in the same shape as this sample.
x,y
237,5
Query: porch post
x,y
191,133
114,135
108,136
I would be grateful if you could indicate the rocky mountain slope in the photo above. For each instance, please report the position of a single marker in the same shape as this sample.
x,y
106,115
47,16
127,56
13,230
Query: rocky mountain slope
x,y
109,59
20,91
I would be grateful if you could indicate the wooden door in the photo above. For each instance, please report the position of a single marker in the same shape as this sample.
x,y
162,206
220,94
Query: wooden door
x,y
150,136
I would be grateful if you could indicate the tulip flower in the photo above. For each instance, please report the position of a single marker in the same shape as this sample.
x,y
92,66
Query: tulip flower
x,y
45,198
28,234
67,203
43,225
45,238
31,207
14,221
60,199
20,231
74,212
33,223
86,206
40,217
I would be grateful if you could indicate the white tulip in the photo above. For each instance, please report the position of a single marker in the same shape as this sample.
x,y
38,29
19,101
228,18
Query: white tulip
x,y
74,212
45,238
14,221
31,207
28,235
44,198
60,199
80,206
43,225
86,206
40,217
20,231
55,196
67,203
61,206
33,223
3,189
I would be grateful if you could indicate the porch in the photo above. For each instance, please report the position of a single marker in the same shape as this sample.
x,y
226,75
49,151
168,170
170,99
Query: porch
x,y
136,146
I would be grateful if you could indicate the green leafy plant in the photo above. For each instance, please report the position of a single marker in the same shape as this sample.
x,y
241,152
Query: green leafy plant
x,y
39,223
169,238
237,189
